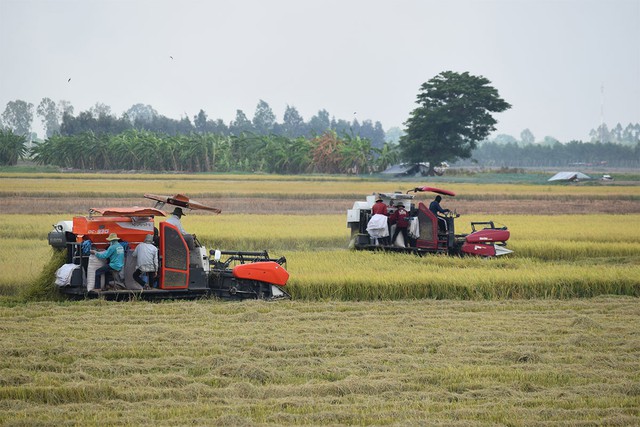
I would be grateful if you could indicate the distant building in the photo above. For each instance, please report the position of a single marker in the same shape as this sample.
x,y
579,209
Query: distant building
x,y
569,176
411,169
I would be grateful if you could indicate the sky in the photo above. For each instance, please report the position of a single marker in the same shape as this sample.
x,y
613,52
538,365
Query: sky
x,y
565,66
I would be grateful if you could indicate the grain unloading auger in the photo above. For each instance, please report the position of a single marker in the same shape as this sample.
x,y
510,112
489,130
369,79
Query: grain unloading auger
x,y
186,269
427,232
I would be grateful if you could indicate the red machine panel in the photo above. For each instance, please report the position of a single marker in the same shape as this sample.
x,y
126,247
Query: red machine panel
x,y
174,273
488,235
266,271
479,249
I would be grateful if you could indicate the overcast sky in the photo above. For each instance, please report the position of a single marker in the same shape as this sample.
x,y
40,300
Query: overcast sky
x,y
564,66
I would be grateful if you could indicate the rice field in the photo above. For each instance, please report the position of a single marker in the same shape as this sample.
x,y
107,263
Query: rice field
x,y
554,257
545,336
283,186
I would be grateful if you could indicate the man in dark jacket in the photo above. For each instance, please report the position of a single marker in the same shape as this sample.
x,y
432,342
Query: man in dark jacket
x,y
379,207
437,209
401,218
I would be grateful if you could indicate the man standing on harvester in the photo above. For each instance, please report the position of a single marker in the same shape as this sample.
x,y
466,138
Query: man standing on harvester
x,y
401,219
379,220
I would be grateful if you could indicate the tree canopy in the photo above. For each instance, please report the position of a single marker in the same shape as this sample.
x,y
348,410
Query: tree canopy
x,y
18,116
453,115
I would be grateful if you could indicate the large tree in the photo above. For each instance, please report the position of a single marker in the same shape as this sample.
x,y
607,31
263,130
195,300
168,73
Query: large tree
x,y
241,124
200,121
18,116
292,124
526,136
100,109
264,118
140,114
50,115
319,123
453,115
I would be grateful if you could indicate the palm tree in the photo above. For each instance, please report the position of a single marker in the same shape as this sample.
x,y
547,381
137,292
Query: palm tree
x,y
12,147
357,155
326,153
388,155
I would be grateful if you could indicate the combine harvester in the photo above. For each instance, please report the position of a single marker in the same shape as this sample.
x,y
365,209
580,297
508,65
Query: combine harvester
x,y
186,270
426,235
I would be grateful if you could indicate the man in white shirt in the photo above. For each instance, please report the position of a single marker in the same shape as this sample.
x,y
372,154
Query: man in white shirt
x,y
174,220
146,255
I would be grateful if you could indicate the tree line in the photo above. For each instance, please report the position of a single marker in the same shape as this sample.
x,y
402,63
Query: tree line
x,y
574,153
59,119
207,152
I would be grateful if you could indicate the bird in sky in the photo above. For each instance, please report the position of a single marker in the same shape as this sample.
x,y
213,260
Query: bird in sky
x,y
170,56
69,80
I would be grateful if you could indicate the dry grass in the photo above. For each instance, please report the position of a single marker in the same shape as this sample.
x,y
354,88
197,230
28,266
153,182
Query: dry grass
x,y
518,363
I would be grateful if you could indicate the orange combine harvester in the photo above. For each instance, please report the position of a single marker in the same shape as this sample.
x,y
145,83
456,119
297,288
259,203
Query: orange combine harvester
x,y
186,269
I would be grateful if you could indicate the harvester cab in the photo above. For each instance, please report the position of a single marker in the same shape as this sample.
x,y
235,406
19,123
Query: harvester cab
x,y
428,231
186,269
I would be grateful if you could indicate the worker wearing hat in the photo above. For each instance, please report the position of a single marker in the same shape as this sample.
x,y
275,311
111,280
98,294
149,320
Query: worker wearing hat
x,y
174,220
380,208
401,219
115,254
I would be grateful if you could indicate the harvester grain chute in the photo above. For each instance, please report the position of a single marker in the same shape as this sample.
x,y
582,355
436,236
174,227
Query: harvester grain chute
x,y
428,232
186,269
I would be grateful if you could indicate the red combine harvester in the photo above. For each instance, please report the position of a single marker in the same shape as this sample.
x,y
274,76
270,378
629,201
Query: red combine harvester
x,y
427,232
186,270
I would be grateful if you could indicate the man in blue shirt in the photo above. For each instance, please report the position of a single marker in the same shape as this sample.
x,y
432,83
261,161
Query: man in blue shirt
x,y
115,253
436,208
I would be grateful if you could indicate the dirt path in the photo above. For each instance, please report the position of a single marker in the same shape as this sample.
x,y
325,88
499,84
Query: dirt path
x,y
77,205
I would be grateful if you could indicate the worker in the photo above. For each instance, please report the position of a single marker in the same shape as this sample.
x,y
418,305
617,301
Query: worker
x,y
378,225
174,220
379,207
146,255
401,219
115,253
85,251
436,209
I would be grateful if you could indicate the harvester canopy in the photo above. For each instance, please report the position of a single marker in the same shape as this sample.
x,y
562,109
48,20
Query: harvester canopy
x,y
433,190
180,200
128,212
